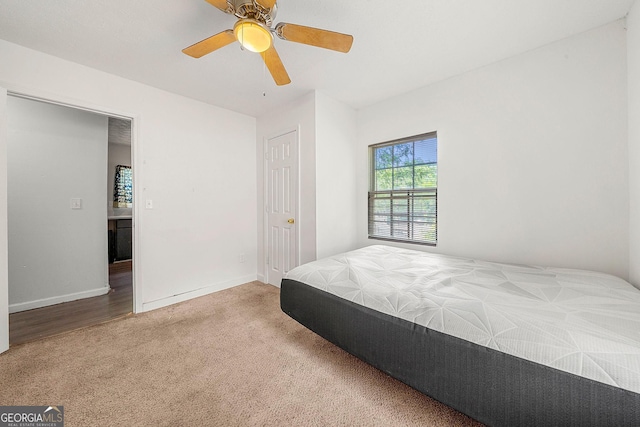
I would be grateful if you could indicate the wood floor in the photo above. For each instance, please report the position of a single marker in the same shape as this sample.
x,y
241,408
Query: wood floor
x,y
42,322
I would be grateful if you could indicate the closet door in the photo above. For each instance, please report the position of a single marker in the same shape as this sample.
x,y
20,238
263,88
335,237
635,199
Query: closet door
x,y
282,202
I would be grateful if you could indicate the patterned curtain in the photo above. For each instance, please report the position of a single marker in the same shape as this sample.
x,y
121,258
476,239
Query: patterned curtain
x,y
122,187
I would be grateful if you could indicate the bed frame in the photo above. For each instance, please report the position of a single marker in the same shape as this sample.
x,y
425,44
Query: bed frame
x,y
490,386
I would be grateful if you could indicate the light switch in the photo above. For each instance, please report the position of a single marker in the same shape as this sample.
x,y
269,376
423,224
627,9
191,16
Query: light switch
x,y
76,203
149,204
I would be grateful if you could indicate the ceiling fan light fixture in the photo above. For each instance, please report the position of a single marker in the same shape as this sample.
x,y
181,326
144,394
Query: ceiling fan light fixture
x,y
254,31
252,35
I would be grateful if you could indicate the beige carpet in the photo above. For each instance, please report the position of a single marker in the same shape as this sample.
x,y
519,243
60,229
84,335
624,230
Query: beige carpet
x,y
227,359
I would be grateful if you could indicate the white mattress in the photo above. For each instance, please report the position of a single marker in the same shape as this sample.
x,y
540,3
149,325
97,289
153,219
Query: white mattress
x,y
577,321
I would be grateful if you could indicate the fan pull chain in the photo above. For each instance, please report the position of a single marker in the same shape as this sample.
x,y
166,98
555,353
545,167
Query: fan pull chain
x,y
264,79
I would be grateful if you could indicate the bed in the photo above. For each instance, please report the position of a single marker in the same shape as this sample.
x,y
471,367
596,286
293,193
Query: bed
x,y
508,345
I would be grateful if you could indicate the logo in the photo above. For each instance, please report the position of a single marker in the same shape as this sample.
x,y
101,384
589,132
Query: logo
x,y
31,416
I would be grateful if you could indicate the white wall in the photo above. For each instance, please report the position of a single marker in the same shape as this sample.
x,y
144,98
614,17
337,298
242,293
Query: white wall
x,y
532,155
119,154
190,159
4,255
300,115
633,75
336,138
56,253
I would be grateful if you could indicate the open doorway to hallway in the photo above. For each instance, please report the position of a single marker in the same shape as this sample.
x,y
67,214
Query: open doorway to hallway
x,y
61,206
55,319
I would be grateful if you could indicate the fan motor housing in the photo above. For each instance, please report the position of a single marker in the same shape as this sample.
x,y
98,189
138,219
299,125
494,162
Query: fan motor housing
x,y
244,9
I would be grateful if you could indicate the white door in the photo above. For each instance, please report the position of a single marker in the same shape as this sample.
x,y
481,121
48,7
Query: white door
x,y
4,254
281,205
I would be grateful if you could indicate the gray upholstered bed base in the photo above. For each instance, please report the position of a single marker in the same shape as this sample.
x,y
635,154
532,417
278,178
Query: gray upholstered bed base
x,y
492,387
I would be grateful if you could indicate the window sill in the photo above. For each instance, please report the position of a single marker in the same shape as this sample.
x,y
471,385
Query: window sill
x,y
412,242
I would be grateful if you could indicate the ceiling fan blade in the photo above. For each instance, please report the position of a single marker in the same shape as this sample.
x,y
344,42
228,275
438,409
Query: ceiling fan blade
x,y
210,44
314,37
267,4
220,4
275,66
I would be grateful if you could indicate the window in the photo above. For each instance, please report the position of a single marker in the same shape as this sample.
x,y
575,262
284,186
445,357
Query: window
x,y
122,187
403,192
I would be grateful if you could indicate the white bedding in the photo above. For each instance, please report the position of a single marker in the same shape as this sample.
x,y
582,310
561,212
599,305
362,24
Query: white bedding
x,y
581,322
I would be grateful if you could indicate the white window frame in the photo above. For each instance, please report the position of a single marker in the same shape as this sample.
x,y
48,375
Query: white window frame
x,y
410,224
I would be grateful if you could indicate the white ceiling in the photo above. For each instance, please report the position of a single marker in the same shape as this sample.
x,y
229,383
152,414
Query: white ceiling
x,y
399,45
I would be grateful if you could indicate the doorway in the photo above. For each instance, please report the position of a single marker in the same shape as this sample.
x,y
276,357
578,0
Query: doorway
x,y
281,177
58,199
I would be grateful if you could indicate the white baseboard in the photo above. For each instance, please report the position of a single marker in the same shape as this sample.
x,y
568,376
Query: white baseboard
x,y
263,279
163,302
44,302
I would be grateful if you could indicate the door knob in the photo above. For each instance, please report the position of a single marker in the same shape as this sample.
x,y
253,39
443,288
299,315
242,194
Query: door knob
x,y
291,220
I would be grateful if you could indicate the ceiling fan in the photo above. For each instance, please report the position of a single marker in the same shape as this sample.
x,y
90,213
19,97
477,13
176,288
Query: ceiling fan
x,y
254,32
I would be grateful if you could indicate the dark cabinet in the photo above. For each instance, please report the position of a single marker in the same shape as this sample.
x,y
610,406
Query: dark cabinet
x,y
120,238
123,239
